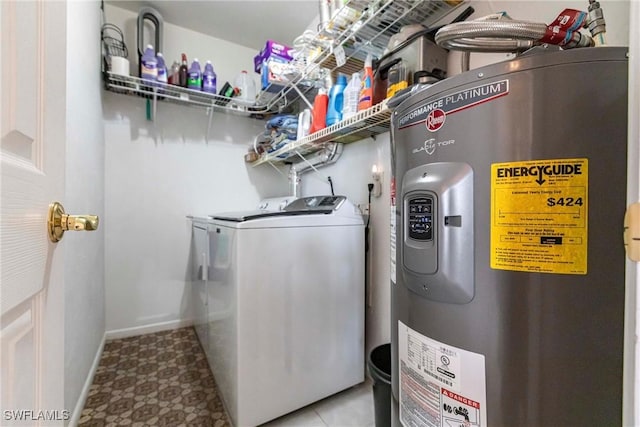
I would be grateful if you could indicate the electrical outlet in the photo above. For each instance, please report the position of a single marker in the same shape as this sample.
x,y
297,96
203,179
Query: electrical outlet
x,y
364,208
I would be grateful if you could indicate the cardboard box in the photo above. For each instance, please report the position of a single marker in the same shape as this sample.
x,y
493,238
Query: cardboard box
x,y
272,51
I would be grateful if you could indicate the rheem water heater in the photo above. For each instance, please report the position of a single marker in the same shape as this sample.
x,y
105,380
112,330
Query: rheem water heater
x,y
507,253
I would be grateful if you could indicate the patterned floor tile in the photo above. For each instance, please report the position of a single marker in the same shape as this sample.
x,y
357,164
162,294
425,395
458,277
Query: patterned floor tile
x,y
160,379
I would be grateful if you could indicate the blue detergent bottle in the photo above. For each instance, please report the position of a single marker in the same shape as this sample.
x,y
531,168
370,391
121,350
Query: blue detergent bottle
x,y
209,79
336,100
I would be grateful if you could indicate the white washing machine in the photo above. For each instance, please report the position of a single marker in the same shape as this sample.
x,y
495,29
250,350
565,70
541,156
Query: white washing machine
x,y
289,286
207,304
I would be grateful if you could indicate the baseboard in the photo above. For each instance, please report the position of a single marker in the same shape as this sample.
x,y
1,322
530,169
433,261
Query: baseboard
x,y
147,329
84,393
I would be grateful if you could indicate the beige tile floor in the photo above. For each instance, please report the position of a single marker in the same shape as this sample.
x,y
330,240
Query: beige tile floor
x,y
352,407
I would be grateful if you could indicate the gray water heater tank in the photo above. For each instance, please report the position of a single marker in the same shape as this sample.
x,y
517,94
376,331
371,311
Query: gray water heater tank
x,y
507,254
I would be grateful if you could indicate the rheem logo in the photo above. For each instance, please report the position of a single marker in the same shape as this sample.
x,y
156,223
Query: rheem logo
x,y
435,120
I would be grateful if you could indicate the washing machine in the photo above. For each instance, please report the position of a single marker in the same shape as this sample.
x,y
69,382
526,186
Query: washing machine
x,y
286,324
205,305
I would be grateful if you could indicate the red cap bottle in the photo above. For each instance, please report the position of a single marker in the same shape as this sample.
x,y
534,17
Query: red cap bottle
x,y
319,120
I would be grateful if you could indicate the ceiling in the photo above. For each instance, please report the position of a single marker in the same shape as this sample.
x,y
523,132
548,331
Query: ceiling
x,y
249,23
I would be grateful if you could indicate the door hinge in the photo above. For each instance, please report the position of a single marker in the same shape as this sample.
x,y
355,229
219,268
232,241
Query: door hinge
x,y
632,232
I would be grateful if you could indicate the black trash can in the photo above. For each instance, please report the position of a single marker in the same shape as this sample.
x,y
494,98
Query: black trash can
x,y
380,369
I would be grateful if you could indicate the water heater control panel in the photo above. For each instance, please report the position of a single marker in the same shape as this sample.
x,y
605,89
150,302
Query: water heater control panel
x,y
437,250
420,218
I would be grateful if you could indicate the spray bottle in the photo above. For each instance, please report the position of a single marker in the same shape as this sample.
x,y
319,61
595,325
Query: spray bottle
x,y
366,91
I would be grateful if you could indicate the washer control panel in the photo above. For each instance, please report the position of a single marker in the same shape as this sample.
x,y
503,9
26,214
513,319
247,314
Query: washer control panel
x,y
316,203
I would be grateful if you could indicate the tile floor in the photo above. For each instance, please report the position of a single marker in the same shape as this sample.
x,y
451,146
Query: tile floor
x,y
164,379
160,379
352,407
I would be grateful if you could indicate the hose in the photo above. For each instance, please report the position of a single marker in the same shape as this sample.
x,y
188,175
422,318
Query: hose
x,y
490,35
596,24
499,33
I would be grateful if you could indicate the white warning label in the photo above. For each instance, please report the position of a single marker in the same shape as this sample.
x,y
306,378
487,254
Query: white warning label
x,y
392,241
440,385
459,411
392,229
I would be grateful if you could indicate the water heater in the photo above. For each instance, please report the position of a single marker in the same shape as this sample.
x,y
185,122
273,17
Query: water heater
x,y
507,276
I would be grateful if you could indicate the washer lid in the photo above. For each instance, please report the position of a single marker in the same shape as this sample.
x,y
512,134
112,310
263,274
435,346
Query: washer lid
x,y
315,205
251,215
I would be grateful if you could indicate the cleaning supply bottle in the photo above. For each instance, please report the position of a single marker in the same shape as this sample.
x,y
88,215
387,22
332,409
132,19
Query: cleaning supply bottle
x,y
319,120
366,88
183,75
162,73
245,88
174,74
304,122
162,69
149,65
194,79
209,79
336,100
351,97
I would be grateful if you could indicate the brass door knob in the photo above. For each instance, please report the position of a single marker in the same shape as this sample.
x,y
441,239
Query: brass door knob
x,y
58,222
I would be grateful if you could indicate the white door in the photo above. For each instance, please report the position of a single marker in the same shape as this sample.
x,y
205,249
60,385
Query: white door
x,y
32,153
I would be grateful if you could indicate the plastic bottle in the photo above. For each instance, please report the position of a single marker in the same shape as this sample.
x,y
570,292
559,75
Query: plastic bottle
x,y
174,74
304,123
162,69
149,65
245,88
183,75
162,73
209,79
351,96
319,113
336,100
194,79
366,91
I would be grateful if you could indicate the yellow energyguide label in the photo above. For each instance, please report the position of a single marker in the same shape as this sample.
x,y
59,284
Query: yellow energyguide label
x,y
539,216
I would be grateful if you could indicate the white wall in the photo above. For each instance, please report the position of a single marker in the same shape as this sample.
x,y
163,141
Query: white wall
x,y
159,172
84,251
350,176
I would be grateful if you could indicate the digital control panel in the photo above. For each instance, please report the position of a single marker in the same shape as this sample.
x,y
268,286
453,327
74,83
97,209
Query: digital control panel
x,y
420,218
316,203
